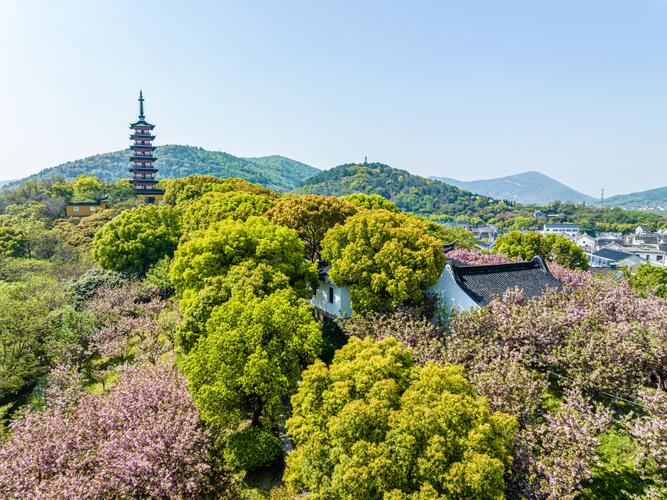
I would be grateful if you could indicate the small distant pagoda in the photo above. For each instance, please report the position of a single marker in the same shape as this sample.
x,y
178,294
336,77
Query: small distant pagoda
x,y
142,159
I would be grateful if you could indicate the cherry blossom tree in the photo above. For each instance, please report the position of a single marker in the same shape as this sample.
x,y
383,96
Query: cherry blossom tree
x,y
143,439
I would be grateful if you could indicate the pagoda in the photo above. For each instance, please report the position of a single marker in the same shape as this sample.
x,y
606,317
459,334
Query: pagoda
x,y
142,159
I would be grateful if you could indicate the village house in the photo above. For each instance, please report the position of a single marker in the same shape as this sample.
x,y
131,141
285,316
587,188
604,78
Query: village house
x,y
85,208
571,230
652,255
460,286
586,241
613,258
464,287
487,233
331,300
605,239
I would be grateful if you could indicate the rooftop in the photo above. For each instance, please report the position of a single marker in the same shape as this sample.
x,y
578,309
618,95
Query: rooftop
x,y
483,283
610,253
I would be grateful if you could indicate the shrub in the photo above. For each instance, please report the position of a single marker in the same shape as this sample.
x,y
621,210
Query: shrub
x,y
251,448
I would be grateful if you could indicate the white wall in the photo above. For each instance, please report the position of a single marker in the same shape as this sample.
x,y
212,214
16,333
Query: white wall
x,y
562,231
341,306
448,295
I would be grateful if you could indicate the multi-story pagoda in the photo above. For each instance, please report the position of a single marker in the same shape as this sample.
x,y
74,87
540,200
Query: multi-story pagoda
x,y
142,159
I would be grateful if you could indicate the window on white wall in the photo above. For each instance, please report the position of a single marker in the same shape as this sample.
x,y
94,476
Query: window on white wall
x,y
331,295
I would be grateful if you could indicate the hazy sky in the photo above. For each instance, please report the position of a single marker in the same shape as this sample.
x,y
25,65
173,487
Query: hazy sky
x,y
468,89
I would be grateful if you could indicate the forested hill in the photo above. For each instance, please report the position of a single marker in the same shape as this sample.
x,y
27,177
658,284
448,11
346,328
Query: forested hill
x,y
410,192
276,172
655,199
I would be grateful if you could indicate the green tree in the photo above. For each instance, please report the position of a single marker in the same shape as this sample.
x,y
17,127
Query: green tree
x,y
137,239
86,187
120,191
248,278
649,280
386,258
311,216
13,240
212,252
553,248
177,191
24,309
214,206
251,357
370,201
373,425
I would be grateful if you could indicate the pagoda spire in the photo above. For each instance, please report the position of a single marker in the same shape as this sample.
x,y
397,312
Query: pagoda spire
x,y
142,160
141,105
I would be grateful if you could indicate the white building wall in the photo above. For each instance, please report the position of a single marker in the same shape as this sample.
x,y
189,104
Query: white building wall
x,y
571,231
340,307
448,295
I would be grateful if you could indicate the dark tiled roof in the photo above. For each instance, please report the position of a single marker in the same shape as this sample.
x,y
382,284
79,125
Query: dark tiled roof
x,y
448,247
610,253
484,283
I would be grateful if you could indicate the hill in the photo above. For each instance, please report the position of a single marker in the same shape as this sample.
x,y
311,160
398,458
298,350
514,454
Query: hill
x,y
410,192
653,199
528,187
276,172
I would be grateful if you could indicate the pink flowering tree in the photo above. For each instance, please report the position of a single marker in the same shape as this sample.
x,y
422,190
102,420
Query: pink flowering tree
x,y
596,342
143,439
650,432
134,324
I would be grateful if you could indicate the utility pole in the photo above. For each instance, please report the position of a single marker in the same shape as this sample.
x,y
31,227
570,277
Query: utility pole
x,y
602,199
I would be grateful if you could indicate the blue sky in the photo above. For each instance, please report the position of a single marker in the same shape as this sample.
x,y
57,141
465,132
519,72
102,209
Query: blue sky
x,y
465,89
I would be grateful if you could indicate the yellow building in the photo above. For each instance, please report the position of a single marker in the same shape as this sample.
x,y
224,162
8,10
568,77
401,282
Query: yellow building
x,y
85,208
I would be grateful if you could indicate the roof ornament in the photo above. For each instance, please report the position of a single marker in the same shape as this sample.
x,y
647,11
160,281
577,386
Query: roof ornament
x,y
141,105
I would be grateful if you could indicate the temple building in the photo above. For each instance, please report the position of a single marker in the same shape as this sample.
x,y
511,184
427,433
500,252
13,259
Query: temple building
x,y
142,159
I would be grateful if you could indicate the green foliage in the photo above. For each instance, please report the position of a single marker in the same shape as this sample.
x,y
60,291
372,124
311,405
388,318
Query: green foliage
x,y
245,279
79,232
311,216
85,286
615,476
87,188
120,191
158,276
67,340
551,247
373,425
386,258
448,234
137,239
212,252
649,280
215,206
370,201
251,448
13,240
252,357
177,191
24,311
176,161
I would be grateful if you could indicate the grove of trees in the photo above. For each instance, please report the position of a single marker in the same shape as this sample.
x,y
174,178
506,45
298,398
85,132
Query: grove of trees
x,y
171,352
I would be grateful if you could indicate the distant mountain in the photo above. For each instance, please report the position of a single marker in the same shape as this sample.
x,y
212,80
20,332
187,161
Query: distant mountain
x,y
528,188
410,192
276,172
653,199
